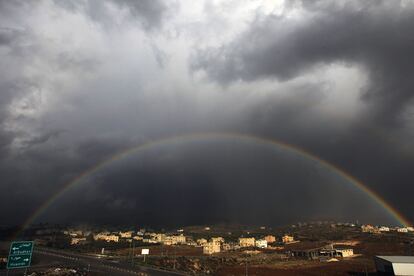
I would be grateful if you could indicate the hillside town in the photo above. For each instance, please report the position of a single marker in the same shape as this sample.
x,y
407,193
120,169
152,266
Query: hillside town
x,y
224,250
210,245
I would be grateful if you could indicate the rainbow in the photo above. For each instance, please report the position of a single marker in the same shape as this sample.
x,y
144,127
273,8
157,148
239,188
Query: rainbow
x,y
213,135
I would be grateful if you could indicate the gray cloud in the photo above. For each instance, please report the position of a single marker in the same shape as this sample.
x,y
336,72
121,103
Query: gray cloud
x,y
378,37
150,14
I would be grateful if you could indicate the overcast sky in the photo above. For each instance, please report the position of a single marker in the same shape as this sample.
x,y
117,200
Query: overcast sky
x,y
82,80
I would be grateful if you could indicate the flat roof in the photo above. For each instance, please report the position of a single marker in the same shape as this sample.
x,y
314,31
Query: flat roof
x,y
398,259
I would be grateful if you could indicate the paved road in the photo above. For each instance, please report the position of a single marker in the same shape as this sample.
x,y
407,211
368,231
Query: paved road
x,y
97,266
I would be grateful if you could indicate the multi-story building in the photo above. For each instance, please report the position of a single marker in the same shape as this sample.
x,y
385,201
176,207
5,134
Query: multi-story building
x,y
230,246
160,238
270,238
261,243
344,252
201,242
384,229
172,240
127,234
247,242
211,247
287,239
180,239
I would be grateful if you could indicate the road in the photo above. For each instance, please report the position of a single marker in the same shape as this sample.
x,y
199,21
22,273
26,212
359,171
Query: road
x,y
97,266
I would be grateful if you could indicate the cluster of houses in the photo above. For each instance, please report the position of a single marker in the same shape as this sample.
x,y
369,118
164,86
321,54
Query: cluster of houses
x,y
211,246
217,244
380,229
78,237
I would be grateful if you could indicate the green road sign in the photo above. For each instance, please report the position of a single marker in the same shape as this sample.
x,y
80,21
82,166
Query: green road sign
x,y
20,254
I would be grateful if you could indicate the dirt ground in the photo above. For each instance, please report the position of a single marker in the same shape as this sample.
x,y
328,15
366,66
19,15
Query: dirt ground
x,y
350,267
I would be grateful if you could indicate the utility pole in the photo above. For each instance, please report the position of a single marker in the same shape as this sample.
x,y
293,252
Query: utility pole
x,y
175,257
247,271
129,251
133,252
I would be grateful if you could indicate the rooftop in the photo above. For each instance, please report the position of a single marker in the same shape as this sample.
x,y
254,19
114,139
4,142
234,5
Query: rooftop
x,y
398,259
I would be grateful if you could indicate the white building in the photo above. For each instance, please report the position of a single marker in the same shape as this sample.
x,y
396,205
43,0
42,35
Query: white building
x,y
344,252
181,239
384,229
394,265
127,234
402,230
211,248
172,240
247,242
261,243
288,239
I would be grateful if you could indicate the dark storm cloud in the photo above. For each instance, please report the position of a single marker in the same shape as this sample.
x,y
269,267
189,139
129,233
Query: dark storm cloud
x,y
82,83
10,90
11,40
190,189
40,139
377,36
43,166
7,36
151,12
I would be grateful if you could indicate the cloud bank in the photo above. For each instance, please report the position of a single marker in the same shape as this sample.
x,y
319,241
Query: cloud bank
x,y
83,80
